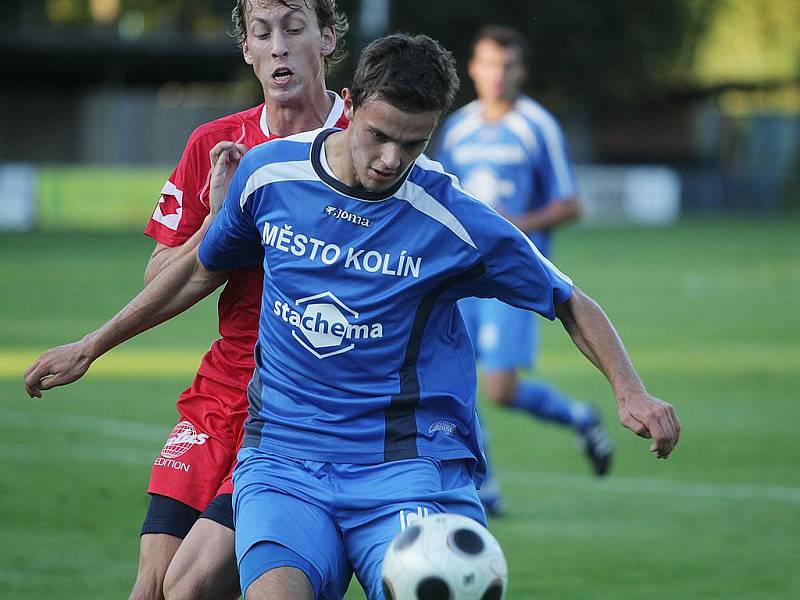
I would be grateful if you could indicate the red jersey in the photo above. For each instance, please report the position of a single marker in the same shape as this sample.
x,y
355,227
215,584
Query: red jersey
x,y
180,212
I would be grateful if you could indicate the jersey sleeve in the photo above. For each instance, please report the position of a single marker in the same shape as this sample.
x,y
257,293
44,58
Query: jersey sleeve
x,y
516,272
232,241
555,173
180,210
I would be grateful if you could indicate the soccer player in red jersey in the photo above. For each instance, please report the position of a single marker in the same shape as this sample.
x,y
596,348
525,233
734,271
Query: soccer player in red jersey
x,y
187,542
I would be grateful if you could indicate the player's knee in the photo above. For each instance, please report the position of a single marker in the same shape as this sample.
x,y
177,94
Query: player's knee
x,y
501,394
184,587
147,589
501,398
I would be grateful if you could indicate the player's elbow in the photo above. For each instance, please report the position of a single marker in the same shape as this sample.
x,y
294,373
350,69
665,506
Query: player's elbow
x,y
572,211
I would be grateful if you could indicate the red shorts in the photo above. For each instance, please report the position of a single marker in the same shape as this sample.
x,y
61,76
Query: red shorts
x,y
196,463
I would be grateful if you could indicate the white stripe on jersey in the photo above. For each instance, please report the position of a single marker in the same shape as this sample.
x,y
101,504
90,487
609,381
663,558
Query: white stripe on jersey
x,y
417,197
523,130
544,259
553,139
297,170
470,122
427,164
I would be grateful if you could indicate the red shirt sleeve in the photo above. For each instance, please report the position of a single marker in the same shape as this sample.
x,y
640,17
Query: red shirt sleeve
x,y
183,204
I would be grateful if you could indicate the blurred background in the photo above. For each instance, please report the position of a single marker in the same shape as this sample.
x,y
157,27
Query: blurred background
x,y
683,117
707,88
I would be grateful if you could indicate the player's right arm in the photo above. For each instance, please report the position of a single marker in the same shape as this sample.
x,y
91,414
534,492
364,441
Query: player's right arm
x,y
179,285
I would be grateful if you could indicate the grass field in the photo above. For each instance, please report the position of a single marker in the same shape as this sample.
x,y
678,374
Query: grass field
x,y
709,311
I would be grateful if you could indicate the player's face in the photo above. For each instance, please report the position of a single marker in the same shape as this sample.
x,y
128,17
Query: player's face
x,y
385,140
496,72
287,48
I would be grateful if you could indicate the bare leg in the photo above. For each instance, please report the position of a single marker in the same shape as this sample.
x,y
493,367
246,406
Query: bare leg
x,y
284,583
155,553
204,567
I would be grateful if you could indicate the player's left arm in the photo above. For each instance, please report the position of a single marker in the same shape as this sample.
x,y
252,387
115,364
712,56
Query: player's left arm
x,y
556,178
550,216
595,336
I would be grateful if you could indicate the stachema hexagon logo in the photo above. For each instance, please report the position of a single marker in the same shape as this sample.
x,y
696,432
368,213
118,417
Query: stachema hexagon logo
x,y
324,325
183,437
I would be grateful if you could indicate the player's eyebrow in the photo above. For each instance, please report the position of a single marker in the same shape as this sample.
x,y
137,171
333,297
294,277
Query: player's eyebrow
x,y
374,129
292,13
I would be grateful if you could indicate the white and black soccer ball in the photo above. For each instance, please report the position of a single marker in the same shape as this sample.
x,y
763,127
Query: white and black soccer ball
x,y
444,557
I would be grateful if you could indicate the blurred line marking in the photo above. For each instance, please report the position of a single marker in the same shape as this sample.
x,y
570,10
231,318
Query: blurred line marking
x,y
117,429
647,486
76,453
715,359
154,434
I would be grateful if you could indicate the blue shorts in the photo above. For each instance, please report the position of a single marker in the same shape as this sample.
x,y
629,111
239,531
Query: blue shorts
x,y
504,337
340,518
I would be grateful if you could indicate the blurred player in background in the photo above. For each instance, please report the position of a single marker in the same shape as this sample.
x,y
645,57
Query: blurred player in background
x,y
508,151
357,415
289,44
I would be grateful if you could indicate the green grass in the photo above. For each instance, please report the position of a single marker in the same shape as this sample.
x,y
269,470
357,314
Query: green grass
x,y
708,310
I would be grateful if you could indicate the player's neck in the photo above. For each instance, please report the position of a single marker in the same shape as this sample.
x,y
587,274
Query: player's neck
x,y
494,110
337,154
293,117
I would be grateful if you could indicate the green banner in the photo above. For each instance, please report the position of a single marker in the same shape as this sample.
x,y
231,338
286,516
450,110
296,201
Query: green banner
x,y
98,198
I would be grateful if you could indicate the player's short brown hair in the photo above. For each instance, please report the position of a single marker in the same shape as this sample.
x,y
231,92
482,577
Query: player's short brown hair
x,y
327,12
503,36
412,73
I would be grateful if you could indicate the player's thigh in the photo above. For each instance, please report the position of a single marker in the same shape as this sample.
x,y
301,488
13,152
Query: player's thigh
x,y
283,519
287,583
506,336
204,567
405,492
199,451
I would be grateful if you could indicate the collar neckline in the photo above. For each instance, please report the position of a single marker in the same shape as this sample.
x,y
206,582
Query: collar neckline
x,y
337,110
330,180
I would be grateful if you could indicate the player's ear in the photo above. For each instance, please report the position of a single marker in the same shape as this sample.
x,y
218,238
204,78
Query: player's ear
x,y
248,58
347,96
328,40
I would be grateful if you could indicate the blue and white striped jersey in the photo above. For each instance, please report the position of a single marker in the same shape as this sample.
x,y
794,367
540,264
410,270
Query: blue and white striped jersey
x,y
516,164
362,355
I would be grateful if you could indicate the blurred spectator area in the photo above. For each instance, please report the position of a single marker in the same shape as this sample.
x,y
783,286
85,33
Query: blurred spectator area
x,y
706,88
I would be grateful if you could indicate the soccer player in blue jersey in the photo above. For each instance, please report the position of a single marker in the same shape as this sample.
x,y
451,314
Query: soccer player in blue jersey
x,y
362,405
508,151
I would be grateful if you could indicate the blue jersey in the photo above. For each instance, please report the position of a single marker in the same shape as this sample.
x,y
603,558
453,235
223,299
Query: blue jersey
x,y
516,164
363,356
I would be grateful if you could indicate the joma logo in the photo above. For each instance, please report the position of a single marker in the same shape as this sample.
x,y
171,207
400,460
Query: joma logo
x,y
338,213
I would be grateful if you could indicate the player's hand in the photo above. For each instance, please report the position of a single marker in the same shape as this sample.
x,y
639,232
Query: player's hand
x,y
57,366
225,157
651,418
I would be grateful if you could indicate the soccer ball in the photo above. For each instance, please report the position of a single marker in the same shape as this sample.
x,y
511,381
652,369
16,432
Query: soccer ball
x,y
444,557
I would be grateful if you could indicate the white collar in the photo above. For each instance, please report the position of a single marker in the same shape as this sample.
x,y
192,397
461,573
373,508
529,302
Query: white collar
x,y
333,117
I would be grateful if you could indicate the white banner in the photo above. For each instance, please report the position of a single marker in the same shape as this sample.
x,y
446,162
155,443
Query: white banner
x,y
17,197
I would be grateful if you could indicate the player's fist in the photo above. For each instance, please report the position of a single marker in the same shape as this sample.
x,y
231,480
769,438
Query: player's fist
x,y
57,366
225,157
651,418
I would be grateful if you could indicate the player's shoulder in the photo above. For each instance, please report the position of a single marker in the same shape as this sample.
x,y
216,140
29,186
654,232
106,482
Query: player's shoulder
x,y
465,112
460,124
228,127
535,113
443,188
292,148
